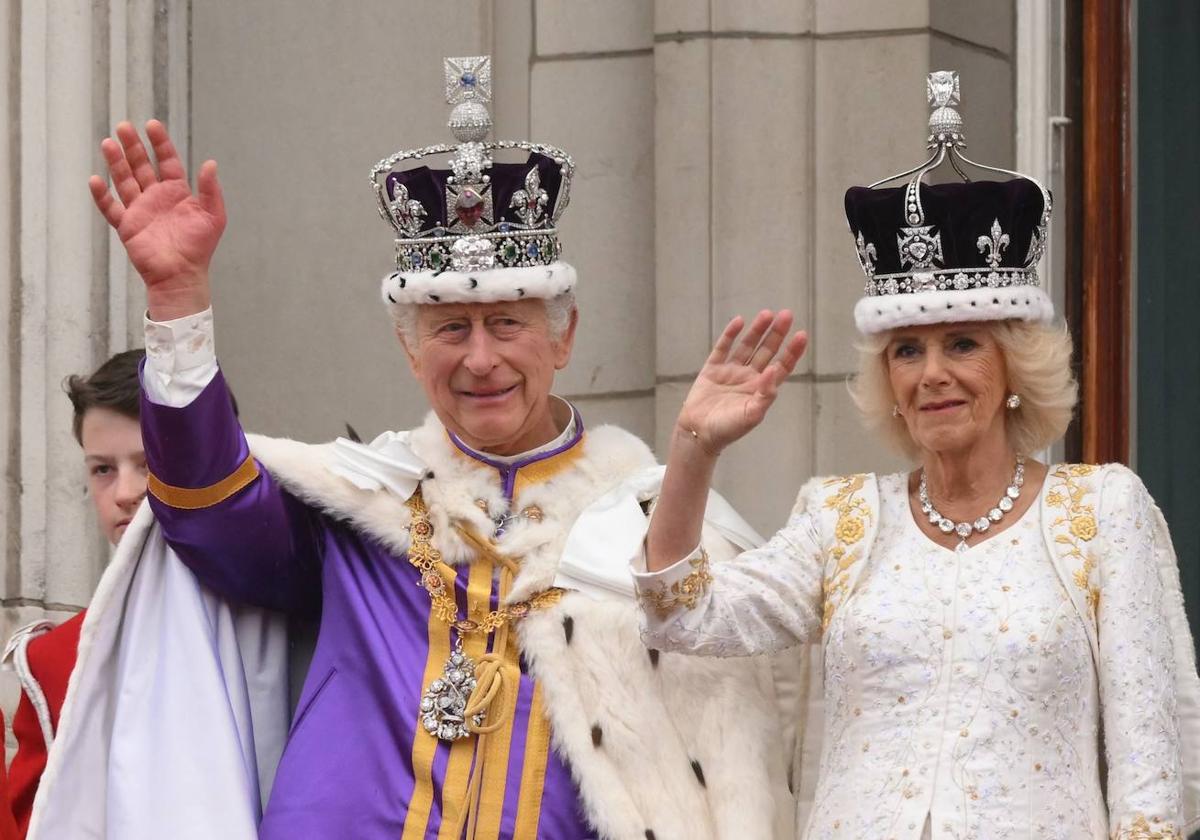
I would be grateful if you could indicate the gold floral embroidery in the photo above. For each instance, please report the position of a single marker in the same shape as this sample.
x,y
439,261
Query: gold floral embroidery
x,y
1080,518
1141,829
850,529
1084,527
853,515
685,592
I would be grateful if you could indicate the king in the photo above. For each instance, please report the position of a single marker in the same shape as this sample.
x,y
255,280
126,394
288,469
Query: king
x,y
478,671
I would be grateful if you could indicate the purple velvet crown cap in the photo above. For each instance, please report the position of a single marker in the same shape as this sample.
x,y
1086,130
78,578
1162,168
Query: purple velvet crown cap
x,y
428,186
964,214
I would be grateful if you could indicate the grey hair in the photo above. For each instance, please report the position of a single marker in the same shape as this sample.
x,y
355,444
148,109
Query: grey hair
x,y
558,317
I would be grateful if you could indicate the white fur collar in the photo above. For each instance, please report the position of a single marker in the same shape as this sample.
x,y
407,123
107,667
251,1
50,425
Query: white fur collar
x,y
455,484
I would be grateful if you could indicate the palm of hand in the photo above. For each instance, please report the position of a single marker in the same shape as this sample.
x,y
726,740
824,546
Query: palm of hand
x,y
725,402
167,233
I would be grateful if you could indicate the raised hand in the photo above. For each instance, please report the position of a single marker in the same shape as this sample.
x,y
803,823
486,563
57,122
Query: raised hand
x,y
741,379
169,232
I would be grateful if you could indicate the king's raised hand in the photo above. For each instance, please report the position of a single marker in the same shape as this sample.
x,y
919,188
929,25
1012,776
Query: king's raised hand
x,y
169,232
740,380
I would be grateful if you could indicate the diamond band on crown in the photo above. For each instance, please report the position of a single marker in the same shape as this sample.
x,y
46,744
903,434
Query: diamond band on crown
x,y
949,279
504,248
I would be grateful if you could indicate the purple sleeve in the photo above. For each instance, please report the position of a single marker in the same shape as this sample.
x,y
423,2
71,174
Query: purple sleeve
x,y
259,545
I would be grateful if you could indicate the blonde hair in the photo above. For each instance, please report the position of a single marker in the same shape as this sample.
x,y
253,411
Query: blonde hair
x,y
1038,360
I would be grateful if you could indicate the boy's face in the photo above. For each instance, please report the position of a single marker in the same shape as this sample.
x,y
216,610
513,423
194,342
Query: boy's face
x,y
116,468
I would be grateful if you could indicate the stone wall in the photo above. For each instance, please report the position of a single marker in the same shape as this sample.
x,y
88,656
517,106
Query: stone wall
x,y
713,143
70,70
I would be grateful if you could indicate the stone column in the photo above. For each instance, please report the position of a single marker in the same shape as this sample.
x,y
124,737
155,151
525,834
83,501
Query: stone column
x,y
592,94
765,113
70,69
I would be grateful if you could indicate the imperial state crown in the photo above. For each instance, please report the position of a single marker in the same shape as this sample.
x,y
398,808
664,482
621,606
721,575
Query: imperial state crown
x,y
476,230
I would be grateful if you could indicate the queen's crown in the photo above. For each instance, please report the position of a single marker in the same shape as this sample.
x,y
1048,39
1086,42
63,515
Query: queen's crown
x,y
478,214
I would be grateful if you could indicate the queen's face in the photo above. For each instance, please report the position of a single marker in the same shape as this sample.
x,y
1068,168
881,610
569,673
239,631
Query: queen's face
x,y
487,369
950,383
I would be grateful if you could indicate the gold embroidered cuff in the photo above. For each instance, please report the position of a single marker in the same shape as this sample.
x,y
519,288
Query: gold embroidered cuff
x,y
186,498
685,592
1143,829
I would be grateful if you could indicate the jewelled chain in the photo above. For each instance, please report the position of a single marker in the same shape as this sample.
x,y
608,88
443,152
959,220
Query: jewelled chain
x,y
428,561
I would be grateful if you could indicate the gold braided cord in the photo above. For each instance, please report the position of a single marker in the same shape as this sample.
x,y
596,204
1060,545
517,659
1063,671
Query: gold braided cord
x,y
492,692
437,577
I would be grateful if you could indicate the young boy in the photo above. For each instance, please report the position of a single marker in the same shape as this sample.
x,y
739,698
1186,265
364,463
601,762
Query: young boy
x,y
106,425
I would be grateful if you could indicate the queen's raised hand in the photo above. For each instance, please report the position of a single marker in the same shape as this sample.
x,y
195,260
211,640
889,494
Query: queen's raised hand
x,y
169,232
741,379
731,395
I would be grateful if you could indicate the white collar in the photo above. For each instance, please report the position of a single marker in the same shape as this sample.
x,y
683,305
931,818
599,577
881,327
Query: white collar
x,y
558,442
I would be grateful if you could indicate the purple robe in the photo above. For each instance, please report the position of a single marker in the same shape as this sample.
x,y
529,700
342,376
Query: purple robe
x,y
357,762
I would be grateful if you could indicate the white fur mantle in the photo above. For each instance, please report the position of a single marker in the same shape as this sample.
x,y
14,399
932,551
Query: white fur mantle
x,y
662,745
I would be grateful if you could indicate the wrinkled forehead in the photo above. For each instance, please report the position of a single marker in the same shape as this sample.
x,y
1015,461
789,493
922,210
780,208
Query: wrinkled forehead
x,y
939,332
530,309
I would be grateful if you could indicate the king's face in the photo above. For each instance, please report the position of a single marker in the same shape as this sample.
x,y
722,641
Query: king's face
x,y
487,369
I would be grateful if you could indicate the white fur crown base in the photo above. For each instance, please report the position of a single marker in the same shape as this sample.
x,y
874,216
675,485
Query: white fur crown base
x,y
887,312
491,286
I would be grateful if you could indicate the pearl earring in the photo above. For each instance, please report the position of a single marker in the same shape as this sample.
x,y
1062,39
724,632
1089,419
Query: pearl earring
x,y
1013,402
895,410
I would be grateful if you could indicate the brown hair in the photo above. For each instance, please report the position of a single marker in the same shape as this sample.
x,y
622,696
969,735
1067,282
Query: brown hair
x,y
114,385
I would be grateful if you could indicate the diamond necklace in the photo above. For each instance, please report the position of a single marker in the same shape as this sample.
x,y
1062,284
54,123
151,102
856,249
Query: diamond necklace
x,y
983,523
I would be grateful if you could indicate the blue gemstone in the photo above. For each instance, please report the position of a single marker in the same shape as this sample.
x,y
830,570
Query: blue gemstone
x,y
504,227
416,260
468,79
531,250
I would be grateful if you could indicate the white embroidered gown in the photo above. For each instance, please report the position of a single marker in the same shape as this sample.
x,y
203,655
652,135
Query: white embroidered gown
x,y
961,699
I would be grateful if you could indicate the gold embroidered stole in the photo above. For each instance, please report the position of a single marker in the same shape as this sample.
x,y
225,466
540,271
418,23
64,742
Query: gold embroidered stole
x,y
848,518
1069,507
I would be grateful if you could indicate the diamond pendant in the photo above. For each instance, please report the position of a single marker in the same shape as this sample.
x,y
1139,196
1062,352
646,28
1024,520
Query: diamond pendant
x,y
444,704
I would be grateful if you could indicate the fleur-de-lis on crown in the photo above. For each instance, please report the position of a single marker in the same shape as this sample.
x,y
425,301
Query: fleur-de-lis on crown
x,y
530,202
407,212
866,255
993,247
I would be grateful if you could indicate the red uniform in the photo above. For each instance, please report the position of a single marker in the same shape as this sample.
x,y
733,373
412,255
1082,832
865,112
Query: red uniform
x,y
51,659
8,826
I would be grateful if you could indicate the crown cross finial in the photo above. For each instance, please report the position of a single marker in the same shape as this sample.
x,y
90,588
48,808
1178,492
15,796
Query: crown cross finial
x,y
945,123
469,90
468,78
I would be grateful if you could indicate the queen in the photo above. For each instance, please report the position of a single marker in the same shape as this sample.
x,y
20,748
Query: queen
x,y
1004,650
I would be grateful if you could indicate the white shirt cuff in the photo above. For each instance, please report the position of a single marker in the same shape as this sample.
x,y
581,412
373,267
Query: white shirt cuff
x,y
676,570
181,358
